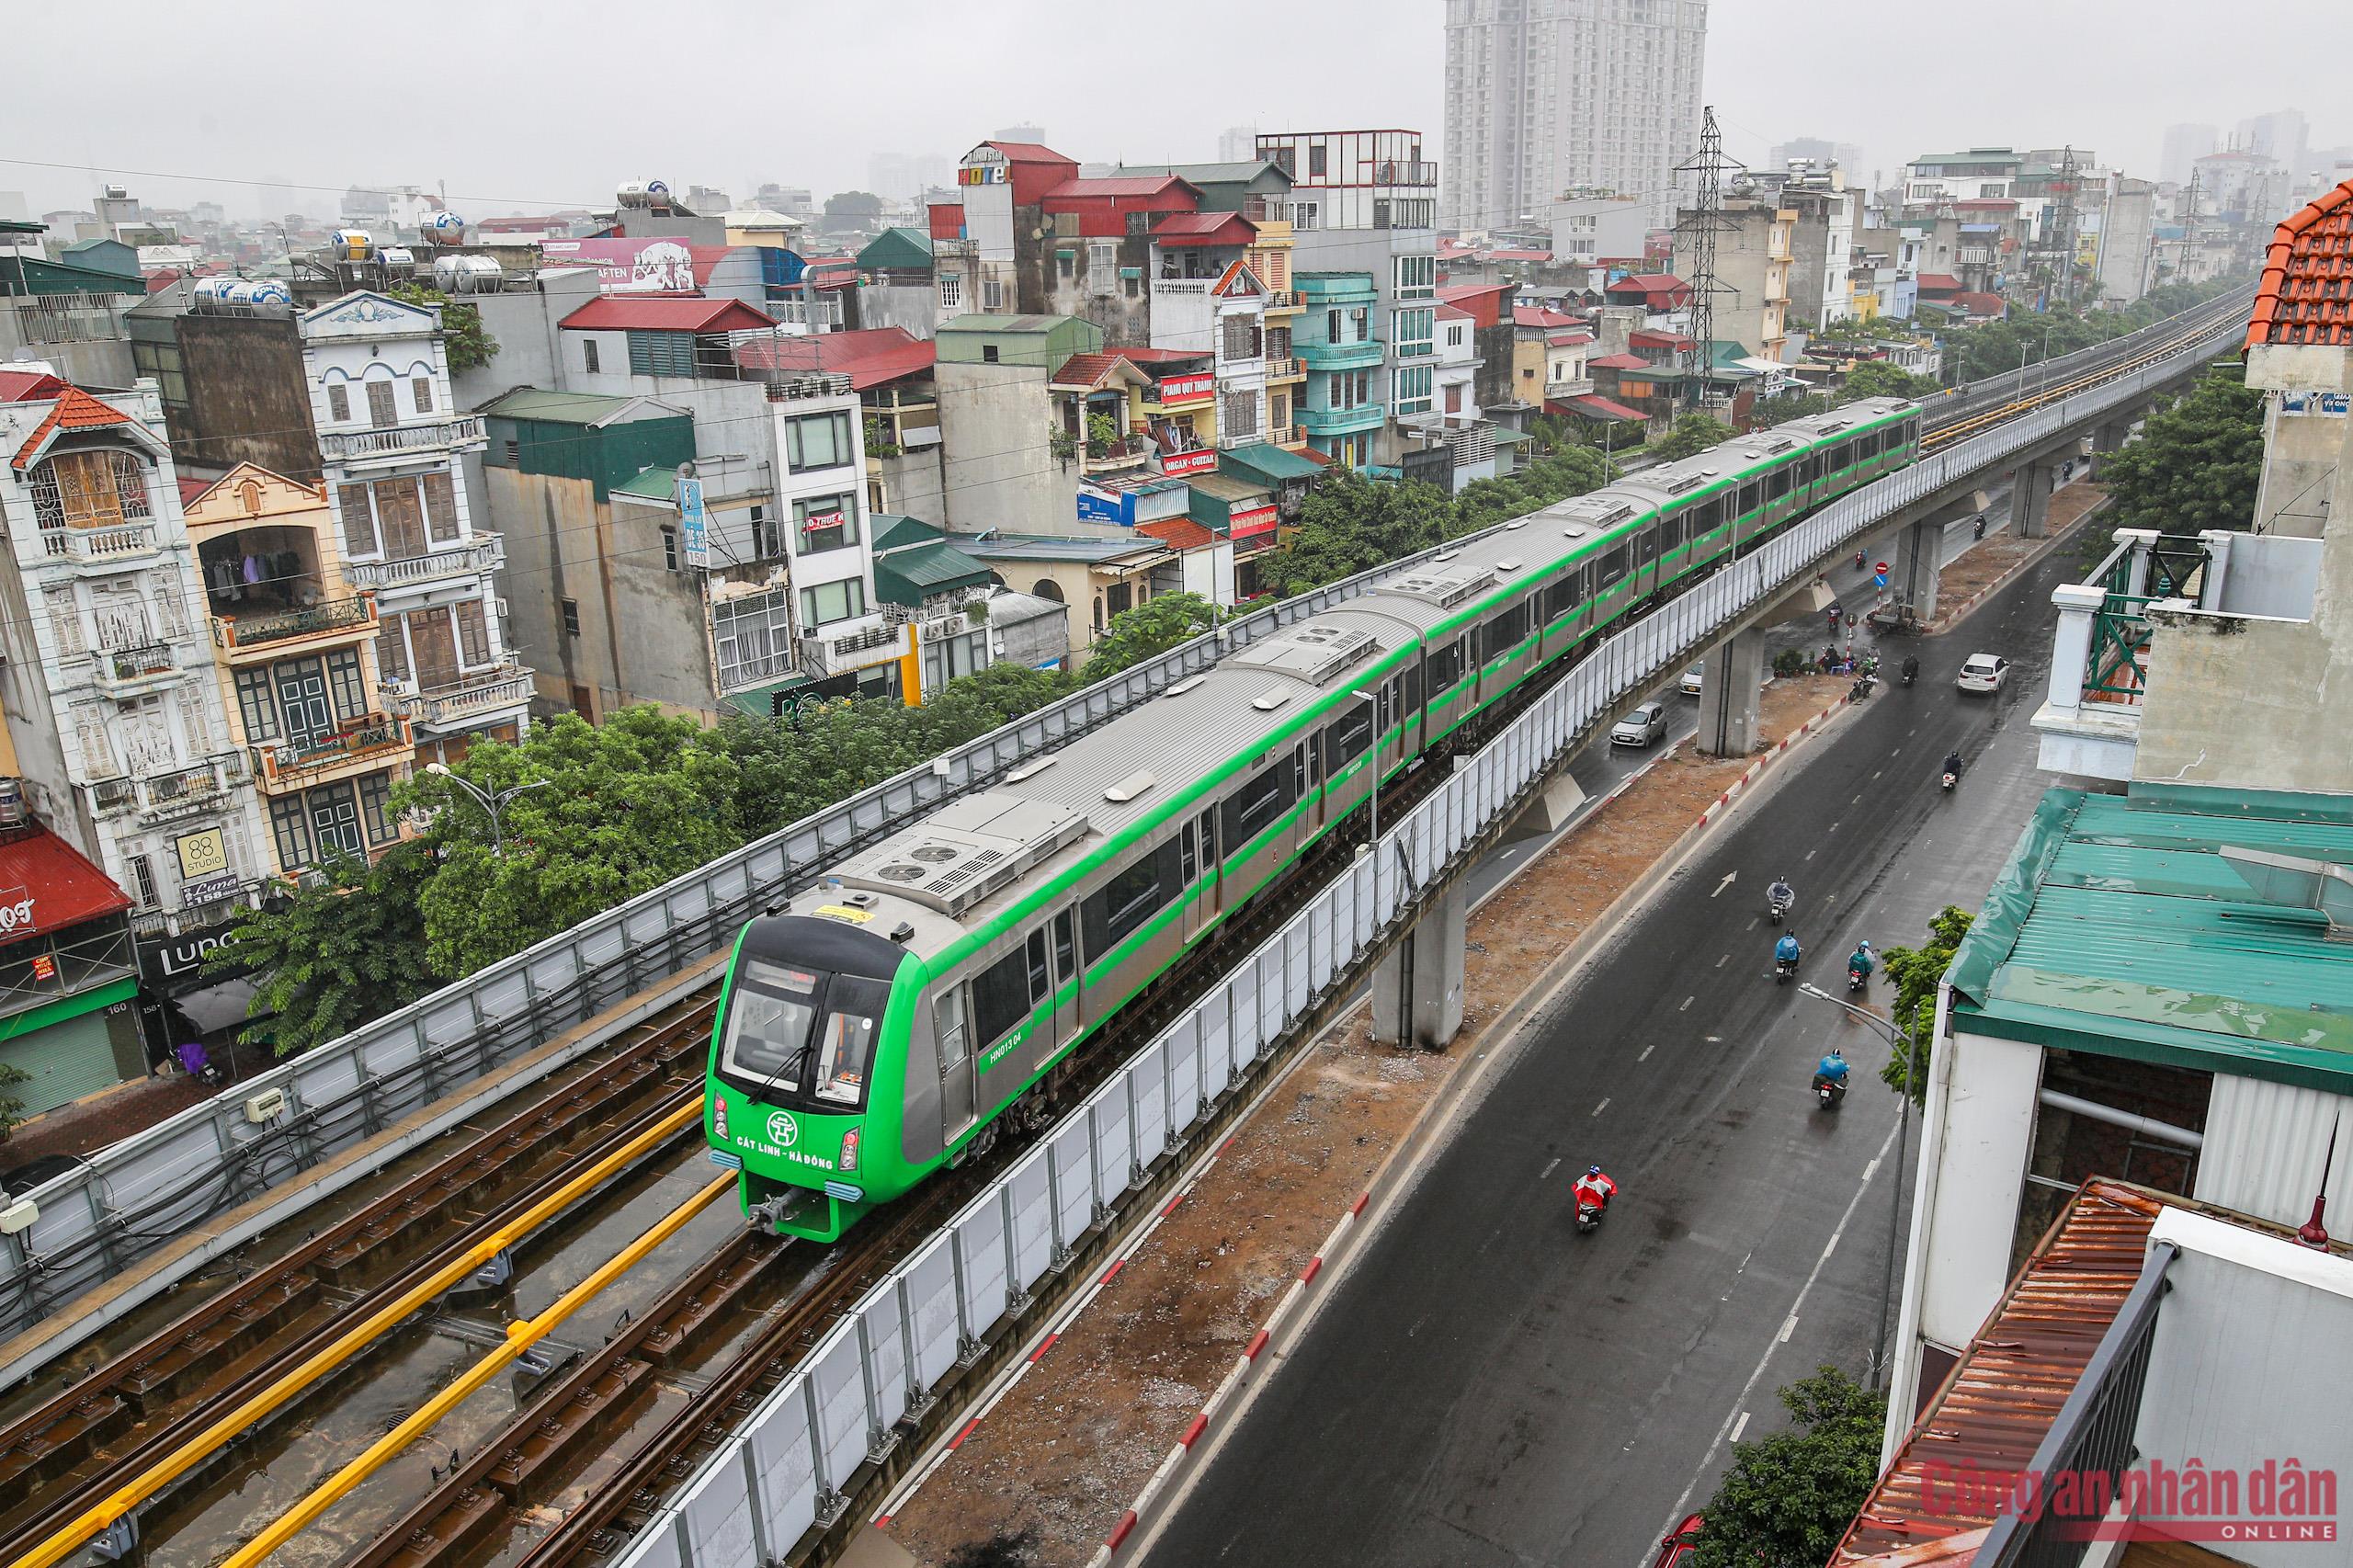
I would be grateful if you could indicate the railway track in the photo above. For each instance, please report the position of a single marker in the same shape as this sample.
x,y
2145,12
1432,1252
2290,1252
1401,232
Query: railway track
x,y
1979,422
176,1407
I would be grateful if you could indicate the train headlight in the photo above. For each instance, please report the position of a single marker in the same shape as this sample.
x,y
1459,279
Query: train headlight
x,y
850,1150
718,1116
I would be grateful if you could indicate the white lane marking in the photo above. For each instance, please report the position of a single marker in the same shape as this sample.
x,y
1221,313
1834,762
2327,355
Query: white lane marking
x,y
1687,1003
1715,1040
1723,960
1730,878
1875,774
1674,1515
1739,1427
1645,1056
1602,1107
1788,1327
1857,800
1551,1168
1809,855
1751,924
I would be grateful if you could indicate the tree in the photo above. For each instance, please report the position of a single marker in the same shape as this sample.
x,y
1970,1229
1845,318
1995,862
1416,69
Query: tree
x,y
12,1109
853,207
1690,435
339,952
1147,630
2197,464
1917,972
462,338
1878,378
1788,1499
620,808
1350,524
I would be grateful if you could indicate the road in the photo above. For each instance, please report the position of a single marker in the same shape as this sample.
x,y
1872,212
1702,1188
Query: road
x,y
1482,1386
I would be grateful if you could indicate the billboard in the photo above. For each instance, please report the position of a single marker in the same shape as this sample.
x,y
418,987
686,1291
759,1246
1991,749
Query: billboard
x,y
635,266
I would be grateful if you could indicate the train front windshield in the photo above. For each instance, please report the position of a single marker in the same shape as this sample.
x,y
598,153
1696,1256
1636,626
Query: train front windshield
x,y
797,1036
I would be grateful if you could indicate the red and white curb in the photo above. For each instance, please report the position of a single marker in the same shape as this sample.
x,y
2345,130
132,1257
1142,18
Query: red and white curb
x,y
1759,766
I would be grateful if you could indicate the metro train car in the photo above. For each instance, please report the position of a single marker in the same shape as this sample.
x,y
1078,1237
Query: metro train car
x,y
939,987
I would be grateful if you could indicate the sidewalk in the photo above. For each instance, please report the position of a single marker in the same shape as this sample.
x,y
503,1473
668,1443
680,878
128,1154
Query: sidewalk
x,y
90,1123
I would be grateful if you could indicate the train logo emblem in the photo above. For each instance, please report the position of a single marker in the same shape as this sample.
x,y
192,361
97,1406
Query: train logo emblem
x,y
782,1130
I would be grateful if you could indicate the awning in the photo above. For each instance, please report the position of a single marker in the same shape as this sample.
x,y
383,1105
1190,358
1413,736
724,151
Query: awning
x,y
1270,463
909,575
45,886
1601,408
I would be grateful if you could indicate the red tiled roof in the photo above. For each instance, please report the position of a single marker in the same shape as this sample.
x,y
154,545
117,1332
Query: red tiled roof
x,y
1536,315
1942,282
1982,304
63,888
1114,185
1519,256
1325,460
1649,338
616,313
2306,295
1089,369
1178,533
1567,339
1162,356
29,386
74,410
1208,228
2006,1390
1029,152
192,491
1456,293
871,357
1619,362
1653,283
1453,313
1601,409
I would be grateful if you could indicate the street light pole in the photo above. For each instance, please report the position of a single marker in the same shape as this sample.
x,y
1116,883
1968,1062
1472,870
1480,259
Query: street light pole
x,y
491,803
1881,1353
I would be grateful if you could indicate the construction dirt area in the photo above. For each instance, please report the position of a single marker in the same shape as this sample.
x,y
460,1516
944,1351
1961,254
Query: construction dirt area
x,y
1986,563
1058,1459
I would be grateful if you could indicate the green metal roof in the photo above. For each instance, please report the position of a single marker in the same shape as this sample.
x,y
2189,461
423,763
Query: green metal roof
x,y
2117,928
889,531
907,576
909,249
563,407
655,485
1270,463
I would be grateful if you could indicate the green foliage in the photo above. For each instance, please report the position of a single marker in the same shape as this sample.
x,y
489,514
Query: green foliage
x,y
1351,524
1102,435
1062,444
462,338
335,954
622,807
854,206
1877,377
1788,1499
2197,464
1147,630
2030,337
1788,662
879,443
1916,971
1691,433
12,1109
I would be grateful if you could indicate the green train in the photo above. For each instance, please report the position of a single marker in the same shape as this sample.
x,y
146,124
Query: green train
x,y
933,988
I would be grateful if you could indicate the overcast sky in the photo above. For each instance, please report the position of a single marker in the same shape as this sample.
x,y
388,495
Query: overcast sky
x,y
517,107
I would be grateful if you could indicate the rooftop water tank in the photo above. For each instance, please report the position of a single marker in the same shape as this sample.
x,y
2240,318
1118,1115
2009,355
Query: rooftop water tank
x,y
351,245
443,227
466,274
399,259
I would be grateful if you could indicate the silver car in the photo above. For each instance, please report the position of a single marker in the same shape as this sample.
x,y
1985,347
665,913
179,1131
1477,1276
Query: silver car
x,y
1640,728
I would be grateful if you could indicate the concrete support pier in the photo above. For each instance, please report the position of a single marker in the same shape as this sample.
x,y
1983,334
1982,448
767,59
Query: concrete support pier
x,y
1728,704
2030,497
2107,441
1919,559
1556,804
1418,989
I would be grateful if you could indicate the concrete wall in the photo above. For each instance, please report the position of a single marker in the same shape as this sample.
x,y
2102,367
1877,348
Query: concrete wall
x,y
998,469
910,306
106,363
524,326
247,400
1986,1134
914,484
2300,450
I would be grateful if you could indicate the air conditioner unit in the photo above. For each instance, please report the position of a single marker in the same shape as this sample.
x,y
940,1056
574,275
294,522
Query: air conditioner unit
x,y
502,610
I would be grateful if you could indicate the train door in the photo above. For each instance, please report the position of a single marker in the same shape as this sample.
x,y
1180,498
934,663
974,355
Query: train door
x,y
1304,823
1212,873
1066,980
955,1063
1314,816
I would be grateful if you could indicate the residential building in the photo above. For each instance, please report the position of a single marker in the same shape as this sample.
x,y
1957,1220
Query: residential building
x,y
1342,410
1458,361
1544,95
891,370
1818,153
963,622
1204,296
2241,187
1753,262
295,647
902,284
1978,173
2184,145
1822,246
1493,319
114,715
1366,202
2284,137
1594,228
1097,578
390,444
1005,467
68,312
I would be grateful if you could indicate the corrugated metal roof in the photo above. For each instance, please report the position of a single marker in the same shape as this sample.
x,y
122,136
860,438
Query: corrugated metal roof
x,y
616,313
2117,919
2007,1389
569,408
905,576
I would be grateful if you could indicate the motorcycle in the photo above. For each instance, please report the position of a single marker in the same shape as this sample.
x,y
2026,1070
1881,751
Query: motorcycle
x,y
1910,674
1588,1217
1783,970
1981,529
1863,686
1830,1092
1859,559
1951,778
1778,906
1857,980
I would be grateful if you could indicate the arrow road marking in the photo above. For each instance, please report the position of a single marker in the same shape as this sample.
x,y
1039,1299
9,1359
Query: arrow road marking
x,y
1730,878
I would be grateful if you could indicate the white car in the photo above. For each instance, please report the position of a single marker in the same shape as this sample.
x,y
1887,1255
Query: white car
x,y
1640,728
1692,678
1984,672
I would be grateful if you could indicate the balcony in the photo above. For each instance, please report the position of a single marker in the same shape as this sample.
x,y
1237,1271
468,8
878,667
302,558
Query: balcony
x,y
1580,386
802,388
1282,299
498,691
394,443
270,634
1401,172
833,653
1342,421
1362,356
164,797
363,746
1115,456
124,673
482,552
1289,368
2250,595
113,546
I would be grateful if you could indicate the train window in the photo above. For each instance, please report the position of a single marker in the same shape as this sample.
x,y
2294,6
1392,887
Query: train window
x,y
1612,567
1299,772
1314,762
1188,864
1412,688
1065,946
1391,695
1561,597
854,1007
1131,897
1000,998
1705,518
1751,496
1252,807
1348,740
947,1028
1782,478
1041,980
1208,838
1504,633
768,1019
1646,543
1445,669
